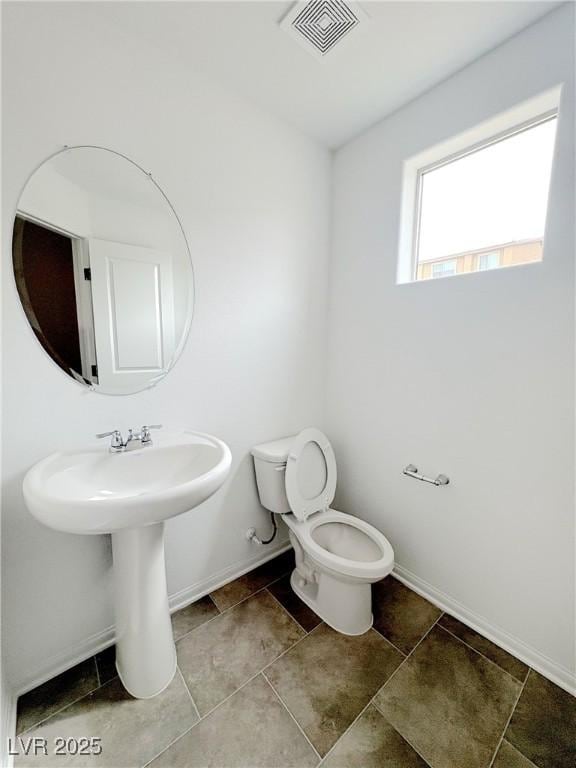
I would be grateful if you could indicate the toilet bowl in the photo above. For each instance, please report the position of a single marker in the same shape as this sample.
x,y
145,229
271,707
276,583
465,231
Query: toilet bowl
x,y
338,556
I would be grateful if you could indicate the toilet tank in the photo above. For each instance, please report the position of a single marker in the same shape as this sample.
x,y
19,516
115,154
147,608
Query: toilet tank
x,y
270,465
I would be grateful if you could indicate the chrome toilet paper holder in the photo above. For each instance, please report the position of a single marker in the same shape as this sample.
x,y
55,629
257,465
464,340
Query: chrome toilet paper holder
x,y
412,471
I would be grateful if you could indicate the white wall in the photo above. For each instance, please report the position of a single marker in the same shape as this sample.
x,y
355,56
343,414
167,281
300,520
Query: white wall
x,y
471,376
253,196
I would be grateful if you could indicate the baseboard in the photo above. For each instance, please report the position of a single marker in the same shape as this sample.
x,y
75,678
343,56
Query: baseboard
x,y
545,666
194,592
69,657
88,647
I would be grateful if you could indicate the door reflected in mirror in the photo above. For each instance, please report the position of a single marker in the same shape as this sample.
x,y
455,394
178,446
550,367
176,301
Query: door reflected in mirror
x,y
103,270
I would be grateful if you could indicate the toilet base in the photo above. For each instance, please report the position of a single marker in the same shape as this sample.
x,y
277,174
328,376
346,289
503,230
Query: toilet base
x,y
343,605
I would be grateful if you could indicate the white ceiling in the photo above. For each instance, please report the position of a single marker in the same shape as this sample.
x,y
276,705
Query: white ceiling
x,y
402,50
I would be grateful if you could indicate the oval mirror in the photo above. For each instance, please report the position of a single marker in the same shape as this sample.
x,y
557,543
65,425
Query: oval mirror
x,y
103,269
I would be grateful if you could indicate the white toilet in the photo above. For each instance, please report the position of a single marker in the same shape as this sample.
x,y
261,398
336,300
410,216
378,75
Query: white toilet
x,y
338,556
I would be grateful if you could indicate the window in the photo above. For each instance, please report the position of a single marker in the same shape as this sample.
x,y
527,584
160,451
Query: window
x,y
494,197
489,260
478,201
444,268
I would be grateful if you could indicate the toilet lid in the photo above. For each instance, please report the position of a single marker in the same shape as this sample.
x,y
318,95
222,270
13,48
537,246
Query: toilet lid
x,y
310,473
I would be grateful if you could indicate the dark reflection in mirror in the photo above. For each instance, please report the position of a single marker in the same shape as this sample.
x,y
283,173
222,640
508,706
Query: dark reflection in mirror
x,y
44,271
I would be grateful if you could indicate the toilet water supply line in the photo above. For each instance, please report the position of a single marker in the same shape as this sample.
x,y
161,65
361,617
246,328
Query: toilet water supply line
x,y
251,533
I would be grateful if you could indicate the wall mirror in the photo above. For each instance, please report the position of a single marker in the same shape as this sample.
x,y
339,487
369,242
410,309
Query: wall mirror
x,y
103,269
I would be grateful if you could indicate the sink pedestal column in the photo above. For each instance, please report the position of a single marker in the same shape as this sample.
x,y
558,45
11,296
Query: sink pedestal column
x,y
145,651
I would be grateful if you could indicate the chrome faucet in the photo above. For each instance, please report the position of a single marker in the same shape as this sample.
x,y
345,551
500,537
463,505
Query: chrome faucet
x,y
145,436
118,444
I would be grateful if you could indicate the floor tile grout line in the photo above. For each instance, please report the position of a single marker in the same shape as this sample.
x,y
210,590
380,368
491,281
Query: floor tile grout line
x,y
220,613
359,715
255,675
424,636
65,706
300,639
526,675
519,752
260,671
209,596
494,663
164,749
230,607
275,581
268,584
522,685
457,638
189,692
211,711
407,740
217,706
501,739
285,707
286,611
389,641
383,637
184,607
181,735
372,700
201,717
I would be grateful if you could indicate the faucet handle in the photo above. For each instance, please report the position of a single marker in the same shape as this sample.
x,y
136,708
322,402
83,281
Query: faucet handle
x,y
145,436
113,433
116,436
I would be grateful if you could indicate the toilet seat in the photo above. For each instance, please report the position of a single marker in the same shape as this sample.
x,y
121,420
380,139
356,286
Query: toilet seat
x,y
371,569
301,505
311,513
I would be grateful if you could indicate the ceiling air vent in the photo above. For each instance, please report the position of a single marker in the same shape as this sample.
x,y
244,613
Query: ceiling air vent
x,y
320,24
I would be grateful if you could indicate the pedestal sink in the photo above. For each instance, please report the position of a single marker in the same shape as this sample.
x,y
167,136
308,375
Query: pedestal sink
x,y
130,495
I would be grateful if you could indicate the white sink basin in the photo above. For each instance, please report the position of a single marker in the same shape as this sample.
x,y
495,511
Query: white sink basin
x,y
95,491
130,495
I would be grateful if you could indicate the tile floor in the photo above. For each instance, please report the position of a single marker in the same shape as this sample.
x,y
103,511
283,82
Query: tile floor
x,y
263,683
